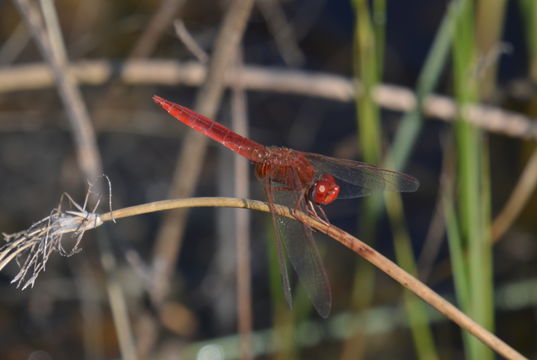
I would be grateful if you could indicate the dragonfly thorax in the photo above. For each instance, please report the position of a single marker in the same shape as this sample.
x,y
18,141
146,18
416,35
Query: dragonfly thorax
x,y
287,167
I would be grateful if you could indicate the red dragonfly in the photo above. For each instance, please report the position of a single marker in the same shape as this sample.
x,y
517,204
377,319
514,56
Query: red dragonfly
x,y
302,181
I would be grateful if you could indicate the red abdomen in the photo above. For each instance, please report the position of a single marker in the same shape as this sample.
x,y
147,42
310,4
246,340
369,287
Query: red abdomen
x,y
233,141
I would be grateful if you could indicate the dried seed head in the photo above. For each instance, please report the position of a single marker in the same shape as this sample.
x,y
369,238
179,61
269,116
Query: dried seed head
x,y
32,247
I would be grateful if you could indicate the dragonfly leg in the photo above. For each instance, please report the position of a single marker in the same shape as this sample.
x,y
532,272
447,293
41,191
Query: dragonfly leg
x,y
314,210
323,216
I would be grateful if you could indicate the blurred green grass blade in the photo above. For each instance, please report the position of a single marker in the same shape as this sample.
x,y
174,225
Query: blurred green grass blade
x,y
487,244
456,250
469,148
366,69
379,29
368,51
458,263
404,141
368,120
368,44
435,62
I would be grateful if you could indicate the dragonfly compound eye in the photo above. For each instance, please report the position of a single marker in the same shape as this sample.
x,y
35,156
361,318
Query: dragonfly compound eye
x,y
325,190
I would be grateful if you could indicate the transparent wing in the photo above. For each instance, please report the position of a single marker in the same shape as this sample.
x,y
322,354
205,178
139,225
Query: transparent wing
x,y
359,179
286,285
300,246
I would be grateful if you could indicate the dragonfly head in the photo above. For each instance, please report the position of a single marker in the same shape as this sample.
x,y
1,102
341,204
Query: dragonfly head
x,y
325,190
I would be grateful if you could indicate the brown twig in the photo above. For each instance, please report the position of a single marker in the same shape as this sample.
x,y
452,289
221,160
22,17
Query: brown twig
x,y
13,46
354,244
160,20
256,78
518,199
145,45
86,146
187,39
282,32
437,227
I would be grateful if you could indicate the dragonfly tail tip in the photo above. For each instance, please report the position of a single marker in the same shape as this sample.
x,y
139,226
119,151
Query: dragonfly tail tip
x,y
159,100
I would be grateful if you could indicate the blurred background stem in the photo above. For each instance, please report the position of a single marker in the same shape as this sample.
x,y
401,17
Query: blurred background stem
x,y
368,39
472,184
369,45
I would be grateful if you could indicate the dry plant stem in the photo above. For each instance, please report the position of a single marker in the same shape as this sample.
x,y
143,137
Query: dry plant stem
x,y
437,227
53,50
91,311
518,199
187,39
50,43
226,46
282,32
356,245
149,39
328,86
86,146
14,45
19,250
433,241
158,24
190,159
118,304
145,45
147,42
242,221
52,25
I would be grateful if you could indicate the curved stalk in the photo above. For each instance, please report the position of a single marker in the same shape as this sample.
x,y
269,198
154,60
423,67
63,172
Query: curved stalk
x,y
349,241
